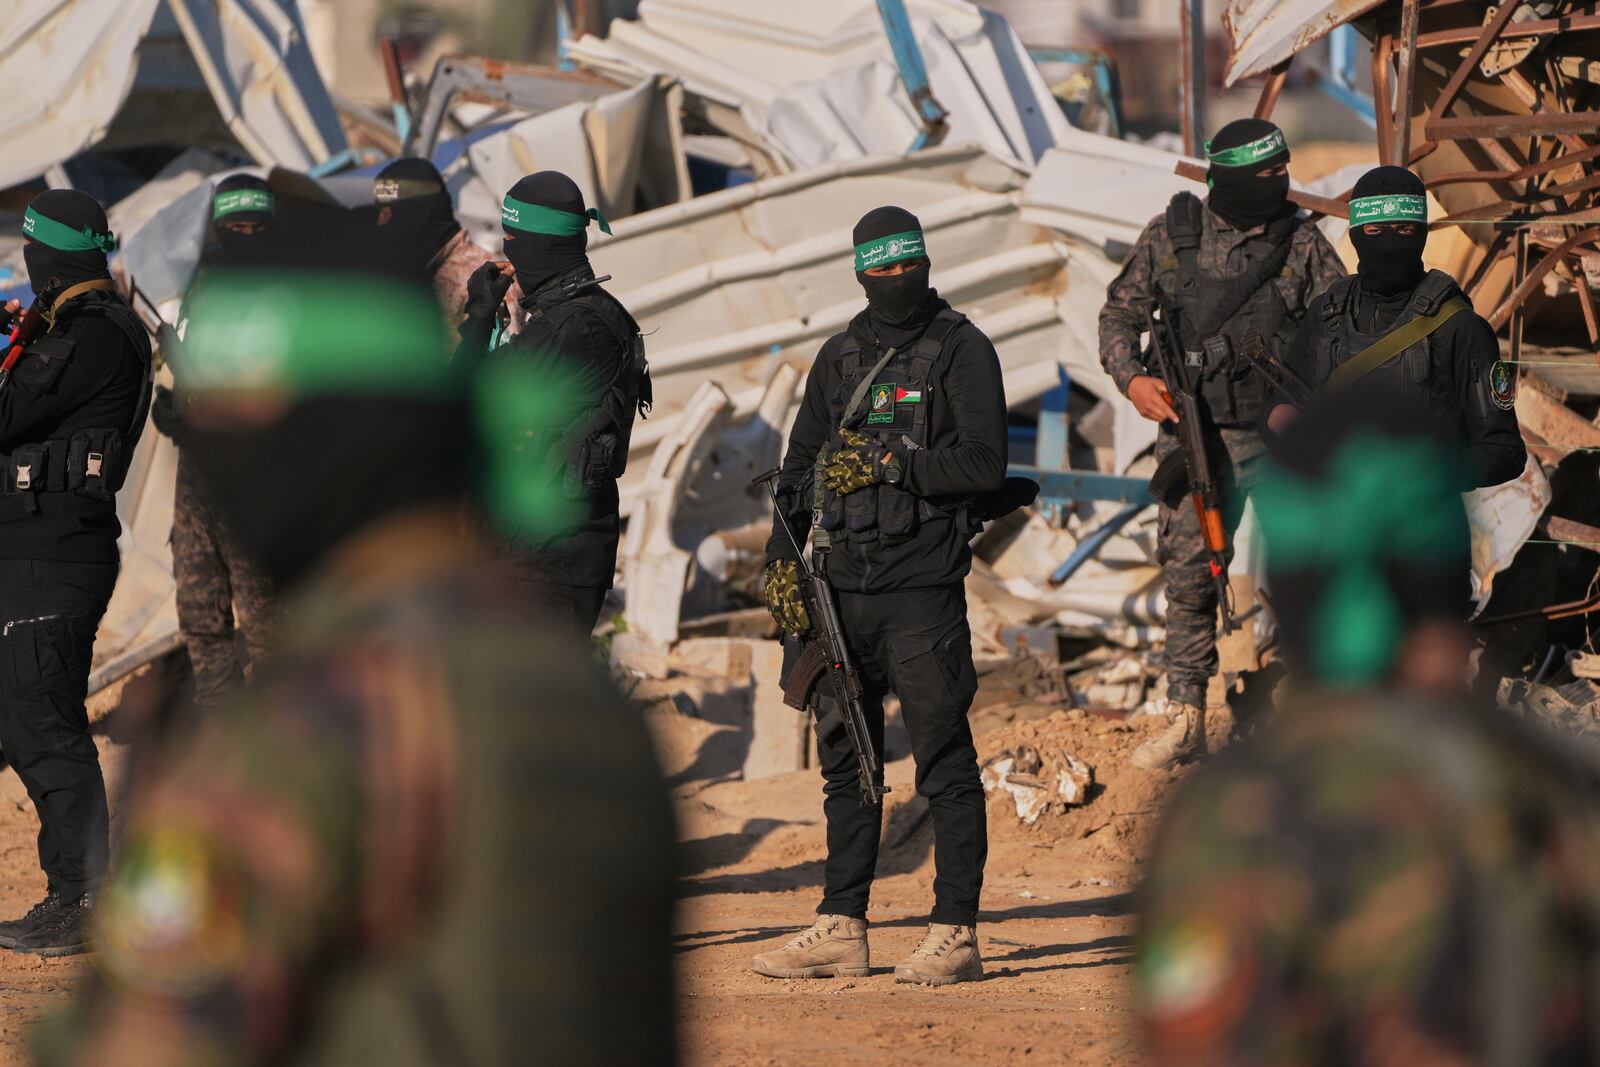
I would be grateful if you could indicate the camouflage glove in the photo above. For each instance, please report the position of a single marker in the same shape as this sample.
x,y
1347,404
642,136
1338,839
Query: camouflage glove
x,y
784,600
855,466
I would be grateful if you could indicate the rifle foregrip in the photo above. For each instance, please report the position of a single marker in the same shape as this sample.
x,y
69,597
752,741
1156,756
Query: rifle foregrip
x,y
804,675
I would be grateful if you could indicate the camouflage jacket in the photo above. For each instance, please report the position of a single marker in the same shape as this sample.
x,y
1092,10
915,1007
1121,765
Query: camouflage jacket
x,y
455,263
1375,880
1312,266
431,834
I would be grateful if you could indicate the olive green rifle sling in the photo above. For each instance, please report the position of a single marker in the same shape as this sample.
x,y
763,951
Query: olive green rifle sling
x,y
1390,345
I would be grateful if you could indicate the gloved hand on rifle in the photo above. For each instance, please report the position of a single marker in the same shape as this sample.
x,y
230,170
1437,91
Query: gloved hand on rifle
x,y
164,412
856,466
781,587
486,291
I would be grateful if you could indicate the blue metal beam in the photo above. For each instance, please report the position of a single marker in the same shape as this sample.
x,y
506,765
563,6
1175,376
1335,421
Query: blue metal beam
x,y
1090,546
913,73
1059,486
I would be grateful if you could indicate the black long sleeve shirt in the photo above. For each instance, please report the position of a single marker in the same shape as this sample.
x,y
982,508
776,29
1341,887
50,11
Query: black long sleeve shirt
x,y
965,456
1465,350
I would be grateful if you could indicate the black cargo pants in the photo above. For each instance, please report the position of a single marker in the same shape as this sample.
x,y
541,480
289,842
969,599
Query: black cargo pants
x,y
915,643
49,614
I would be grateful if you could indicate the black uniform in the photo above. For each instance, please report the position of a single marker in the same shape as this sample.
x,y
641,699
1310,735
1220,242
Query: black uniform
x,y
898,559
69,419
1454,371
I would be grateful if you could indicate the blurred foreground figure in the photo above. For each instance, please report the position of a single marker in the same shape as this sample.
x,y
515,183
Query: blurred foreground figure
x,y
217,585
1386,873
71,413
430,833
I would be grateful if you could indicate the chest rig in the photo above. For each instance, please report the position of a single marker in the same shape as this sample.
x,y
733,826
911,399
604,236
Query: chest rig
x,y
1411,373
1216,313
90,463
593,448
886,400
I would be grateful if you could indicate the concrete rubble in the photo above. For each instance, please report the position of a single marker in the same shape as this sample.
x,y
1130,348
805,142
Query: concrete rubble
x,y
1038,782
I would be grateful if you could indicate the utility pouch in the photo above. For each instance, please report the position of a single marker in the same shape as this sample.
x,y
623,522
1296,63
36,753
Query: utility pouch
x,y
861,512
28,470
595,458
94,458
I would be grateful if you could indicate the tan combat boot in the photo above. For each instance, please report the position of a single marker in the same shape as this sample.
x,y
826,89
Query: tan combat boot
x,y
948,954
1183,740
834,947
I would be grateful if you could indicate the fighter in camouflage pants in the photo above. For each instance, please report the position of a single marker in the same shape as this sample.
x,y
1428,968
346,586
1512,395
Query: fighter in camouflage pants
x,y
215,586
1191,652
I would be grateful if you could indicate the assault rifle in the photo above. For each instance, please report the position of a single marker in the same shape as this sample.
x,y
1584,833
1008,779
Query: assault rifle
x,y
1196,478
1276,372
24,329
826,653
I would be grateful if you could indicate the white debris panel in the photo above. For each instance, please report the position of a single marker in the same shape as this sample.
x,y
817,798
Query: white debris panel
x,y
826,88
1263,33
70,65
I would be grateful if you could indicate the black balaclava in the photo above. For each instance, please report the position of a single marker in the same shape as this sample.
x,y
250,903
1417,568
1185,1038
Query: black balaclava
x,y
240,198
1240,149
294,487
411,197
538,255
1390,264
1366,535
899,302
67,240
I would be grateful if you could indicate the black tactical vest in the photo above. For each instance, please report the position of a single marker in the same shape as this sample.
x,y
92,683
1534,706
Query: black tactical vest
x,y
593,449
1233,392
1411,373
893,412
91,463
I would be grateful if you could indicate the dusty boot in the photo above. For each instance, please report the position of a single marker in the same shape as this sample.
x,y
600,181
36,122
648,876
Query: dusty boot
x,y
948,954
1184,739
834,947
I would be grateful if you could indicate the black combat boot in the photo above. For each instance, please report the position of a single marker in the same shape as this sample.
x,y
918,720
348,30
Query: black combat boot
x,y
64,932
12,929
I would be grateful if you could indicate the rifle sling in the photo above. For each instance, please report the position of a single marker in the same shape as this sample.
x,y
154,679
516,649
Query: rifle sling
x,y
1390,345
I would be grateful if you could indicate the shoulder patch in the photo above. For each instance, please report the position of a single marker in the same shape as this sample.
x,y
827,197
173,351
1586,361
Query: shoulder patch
x,y
1503,385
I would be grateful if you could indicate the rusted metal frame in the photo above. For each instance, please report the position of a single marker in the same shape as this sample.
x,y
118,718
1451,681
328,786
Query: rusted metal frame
x,y
1405,79
1591,319
1539,28
1543,124
1507,207
1192,46
1527,285
1491,255
1271,88
1533,170
1320,205
1541,103
1520,273
1469,63
1382,97
1553,612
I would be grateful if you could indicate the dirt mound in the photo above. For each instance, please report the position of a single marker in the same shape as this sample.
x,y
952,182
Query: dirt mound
x,y
1117,812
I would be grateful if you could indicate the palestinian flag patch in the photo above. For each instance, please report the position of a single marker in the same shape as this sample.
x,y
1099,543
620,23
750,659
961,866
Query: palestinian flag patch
x,y
907,396
882,397
1503,385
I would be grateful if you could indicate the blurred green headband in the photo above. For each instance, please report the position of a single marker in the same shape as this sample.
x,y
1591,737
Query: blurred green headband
x,y
1262,148
236,200
1390,207
64,238
536,218
882,251
1380,500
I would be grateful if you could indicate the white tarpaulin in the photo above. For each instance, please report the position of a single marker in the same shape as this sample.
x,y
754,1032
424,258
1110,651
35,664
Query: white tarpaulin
x,y
825,88
68,67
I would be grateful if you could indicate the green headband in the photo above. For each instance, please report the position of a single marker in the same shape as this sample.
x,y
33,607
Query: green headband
x,y
305,334
64,238
236,200
882,251
388,190
1379,500
1247,154
536,218
1389,207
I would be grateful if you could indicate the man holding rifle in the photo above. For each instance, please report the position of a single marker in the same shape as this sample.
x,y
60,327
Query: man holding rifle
x,y
72,406
900,436
1241,262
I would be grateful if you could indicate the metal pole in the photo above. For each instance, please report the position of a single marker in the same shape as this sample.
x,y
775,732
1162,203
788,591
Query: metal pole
x,y
1192,45
1405,47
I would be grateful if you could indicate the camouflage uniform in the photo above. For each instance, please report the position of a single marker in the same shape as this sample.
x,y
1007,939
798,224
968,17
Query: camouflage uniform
x,y
432,828
454,264
216,586
1377,880
1312,265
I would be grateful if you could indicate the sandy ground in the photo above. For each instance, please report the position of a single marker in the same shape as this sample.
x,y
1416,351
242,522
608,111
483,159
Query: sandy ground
x,y
1056,927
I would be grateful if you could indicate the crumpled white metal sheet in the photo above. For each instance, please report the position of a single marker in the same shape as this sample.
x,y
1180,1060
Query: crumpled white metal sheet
x,y
1502,518
1263,33
826,89
68,67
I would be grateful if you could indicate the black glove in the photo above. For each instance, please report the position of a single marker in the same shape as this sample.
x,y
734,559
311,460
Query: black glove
x,y
164,413
486,291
